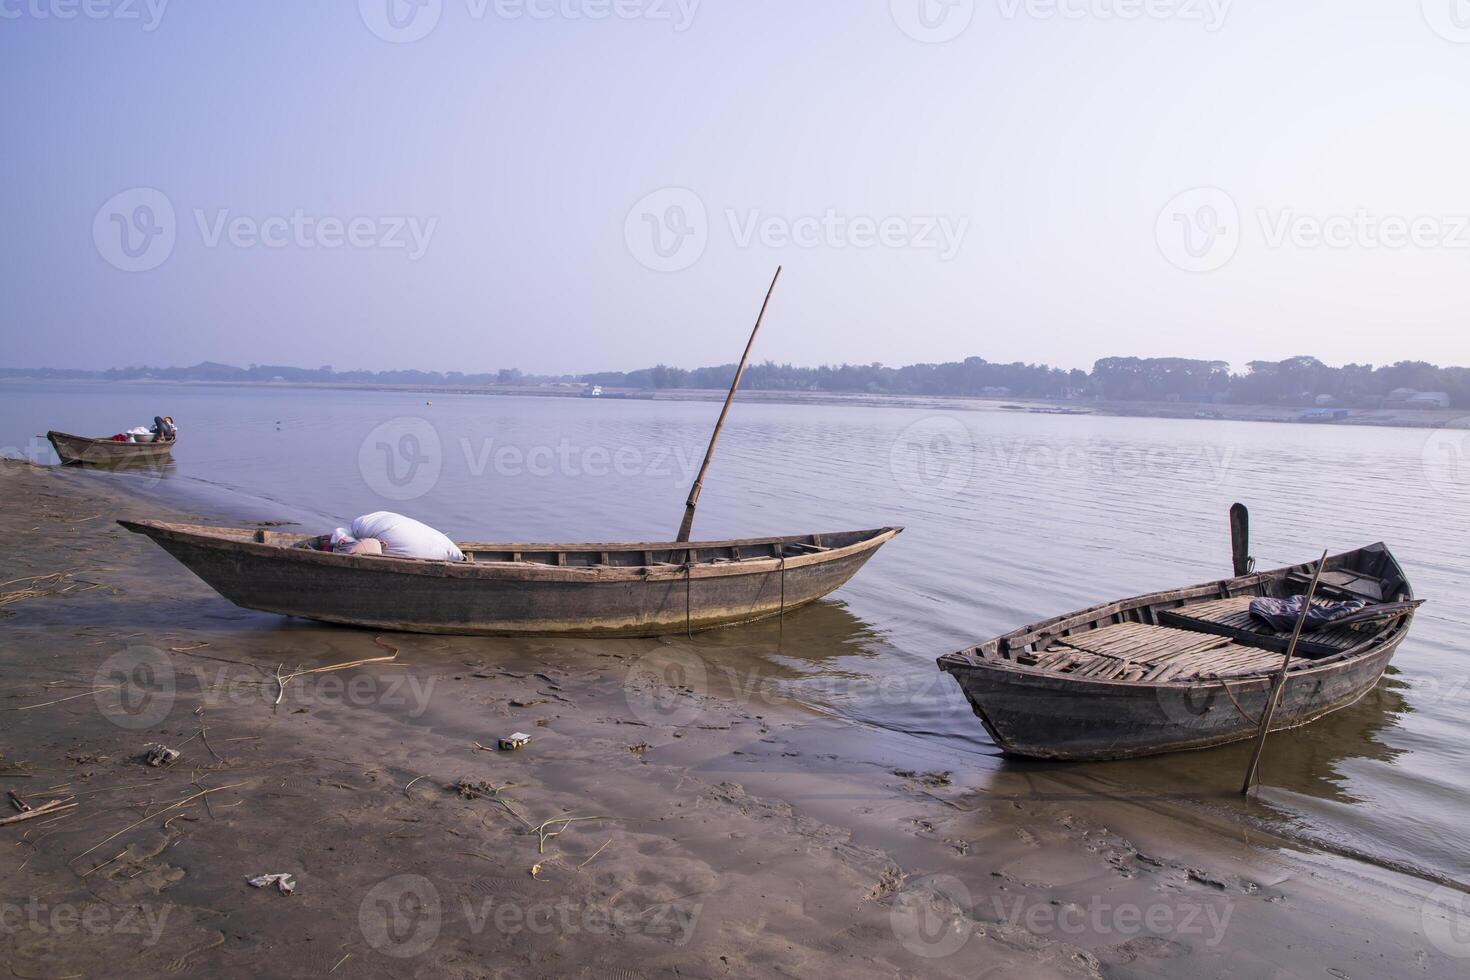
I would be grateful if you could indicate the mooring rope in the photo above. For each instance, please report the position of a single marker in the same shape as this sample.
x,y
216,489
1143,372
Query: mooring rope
x,y
688,585
1256,722
781,613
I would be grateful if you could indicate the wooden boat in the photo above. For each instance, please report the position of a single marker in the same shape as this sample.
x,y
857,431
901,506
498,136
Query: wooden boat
x,y
643,589
106,452
1184,669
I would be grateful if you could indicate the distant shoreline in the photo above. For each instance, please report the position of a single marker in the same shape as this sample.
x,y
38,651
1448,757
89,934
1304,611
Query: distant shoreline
x,y
1403,418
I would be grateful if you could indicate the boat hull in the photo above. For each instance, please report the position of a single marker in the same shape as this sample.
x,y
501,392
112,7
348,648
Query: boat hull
x,y
511,598
105,452
1121,720
1185,668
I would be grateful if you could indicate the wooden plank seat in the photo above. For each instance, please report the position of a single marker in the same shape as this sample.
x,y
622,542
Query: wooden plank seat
x,y
1234,612
1137,651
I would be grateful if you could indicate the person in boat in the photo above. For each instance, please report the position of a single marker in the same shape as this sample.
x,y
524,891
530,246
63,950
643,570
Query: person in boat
x,y
163,428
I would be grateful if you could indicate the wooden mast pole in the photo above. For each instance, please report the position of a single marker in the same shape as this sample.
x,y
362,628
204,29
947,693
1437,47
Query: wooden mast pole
x,y
1280,682
1240,539
688,525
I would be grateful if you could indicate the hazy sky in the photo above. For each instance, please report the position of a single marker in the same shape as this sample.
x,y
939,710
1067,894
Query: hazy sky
x,y
570,185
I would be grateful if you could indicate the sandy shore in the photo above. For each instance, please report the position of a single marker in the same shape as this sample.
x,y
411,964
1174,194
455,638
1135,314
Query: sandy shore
x,y
662,821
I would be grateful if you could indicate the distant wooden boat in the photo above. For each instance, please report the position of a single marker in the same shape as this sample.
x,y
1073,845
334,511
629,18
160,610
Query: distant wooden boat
x,y
644,589
1184,669
107,452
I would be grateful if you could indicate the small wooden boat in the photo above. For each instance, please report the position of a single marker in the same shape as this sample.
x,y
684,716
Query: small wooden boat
x,y
106,452
1184,669
644,589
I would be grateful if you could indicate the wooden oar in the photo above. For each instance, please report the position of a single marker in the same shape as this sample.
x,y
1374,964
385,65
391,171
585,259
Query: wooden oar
x,y
688,525
1280,683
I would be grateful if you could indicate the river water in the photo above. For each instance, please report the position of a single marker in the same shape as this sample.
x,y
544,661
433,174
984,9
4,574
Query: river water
x,y
1010,517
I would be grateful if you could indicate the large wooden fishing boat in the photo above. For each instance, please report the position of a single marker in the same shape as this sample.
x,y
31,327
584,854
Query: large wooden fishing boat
x,y
643,589
107,452
1184,669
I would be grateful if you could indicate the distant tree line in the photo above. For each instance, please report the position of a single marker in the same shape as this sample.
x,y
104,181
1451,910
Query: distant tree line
x,y
1303,381
212,371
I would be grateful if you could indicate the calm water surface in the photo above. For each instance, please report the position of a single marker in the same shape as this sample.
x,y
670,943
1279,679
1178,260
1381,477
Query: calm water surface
x,y
1010,517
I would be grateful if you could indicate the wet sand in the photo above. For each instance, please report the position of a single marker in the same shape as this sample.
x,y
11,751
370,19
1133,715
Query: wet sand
x,y
694,830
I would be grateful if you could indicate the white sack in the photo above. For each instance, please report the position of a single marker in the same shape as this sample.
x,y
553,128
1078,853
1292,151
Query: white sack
x,y
404,537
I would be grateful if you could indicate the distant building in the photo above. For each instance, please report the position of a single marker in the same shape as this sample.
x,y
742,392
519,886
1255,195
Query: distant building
x,y
994,391
1428,399
1325,401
